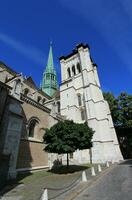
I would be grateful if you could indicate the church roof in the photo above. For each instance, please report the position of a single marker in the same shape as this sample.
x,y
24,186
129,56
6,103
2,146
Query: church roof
x,y
4,66
31,81
56,94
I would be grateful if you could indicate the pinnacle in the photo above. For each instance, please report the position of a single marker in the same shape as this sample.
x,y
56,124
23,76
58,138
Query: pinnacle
x,y
50,63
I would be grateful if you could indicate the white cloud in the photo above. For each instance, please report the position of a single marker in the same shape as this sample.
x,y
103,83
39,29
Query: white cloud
x,y
25,49
111,19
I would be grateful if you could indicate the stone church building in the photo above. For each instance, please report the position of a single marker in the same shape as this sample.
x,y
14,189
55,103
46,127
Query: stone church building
x,y
29,110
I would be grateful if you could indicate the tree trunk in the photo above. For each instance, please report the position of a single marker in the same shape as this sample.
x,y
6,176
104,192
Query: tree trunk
x,y
67,161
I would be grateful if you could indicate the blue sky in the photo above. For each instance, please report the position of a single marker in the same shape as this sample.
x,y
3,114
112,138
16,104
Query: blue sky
x,y
26,28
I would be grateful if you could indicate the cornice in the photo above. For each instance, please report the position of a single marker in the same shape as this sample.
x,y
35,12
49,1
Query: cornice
x,y
81,87
34,103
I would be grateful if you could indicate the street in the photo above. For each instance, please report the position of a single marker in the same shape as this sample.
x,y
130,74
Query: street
x,y
116,185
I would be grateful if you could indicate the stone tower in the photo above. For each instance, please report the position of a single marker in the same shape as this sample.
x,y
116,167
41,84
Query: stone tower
x,y
82,100
49,83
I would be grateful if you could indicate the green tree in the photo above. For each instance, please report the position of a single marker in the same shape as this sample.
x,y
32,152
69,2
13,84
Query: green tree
x,y
66,137
121,109
113,104
125,109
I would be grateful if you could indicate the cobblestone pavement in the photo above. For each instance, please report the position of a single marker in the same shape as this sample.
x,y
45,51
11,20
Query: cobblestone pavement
x,y
59,186
115,185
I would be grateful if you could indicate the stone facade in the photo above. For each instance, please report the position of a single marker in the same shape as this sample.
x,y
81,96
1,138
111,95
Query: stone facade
x,y
30,110
11,121
35,118
82,100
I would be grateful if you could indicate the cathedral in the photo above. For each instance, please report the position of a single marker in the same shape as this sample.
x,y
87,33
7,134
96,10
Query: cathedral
x,y
28,110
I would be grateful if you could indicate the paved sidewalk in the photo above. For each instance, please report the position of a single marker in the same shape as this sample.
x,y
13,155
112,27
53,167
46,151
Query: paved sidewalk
x,y
115,185
60,187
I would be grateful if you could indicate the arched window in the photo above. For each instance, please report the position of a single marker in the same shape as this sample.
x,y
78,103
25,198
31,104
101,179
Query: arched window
x,y
47,76
18,86
26,91
69,72
78,68
52,77
79,99
31,127
38,99
73,70
43,100
6,79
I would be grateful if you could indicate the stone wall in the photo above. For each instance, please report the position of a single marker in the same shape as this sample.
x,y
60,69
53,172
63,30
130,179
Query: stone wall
x,y
84,84
31,151
31,156
10,129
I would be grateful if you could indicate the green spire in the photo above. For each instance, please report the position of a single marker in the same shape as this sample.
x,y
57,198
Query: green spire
x,y
49,82
50,63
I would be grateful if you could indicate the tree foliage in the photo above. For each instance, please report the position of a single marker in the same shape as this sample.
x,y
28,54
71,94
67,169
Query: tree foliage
x,y
125,109
121,109
113,104
67,137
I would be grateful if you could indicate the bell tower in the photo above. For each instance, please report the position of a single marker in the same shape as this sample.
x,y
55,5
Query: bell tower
x,y
82,100
49,83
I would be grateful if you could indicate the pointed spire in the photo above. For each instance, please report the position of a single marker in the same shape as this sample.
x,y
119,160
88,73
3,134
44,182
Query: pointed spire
x,y
50,63
49,82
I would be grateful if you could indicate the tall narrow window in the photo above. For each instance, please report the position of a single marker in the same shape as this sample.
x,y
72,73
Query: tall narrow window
x,y
73,70
18,86
44,100
47,76
52,77
78,68
38,99
26,91
32,128
58,106
69,72
6,79
71,155
83,114
79,99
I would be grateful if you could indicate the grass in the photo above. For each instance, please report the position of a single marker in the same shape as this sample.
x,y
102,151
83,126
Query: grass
x,y
31,183
26,178
29,177
71,169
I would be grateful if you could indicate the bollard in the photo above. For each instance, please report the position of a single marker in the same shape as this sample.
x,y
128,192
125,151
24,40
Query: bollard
x,y
84,178
113,162
107,164
99,168
93,171
45,195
